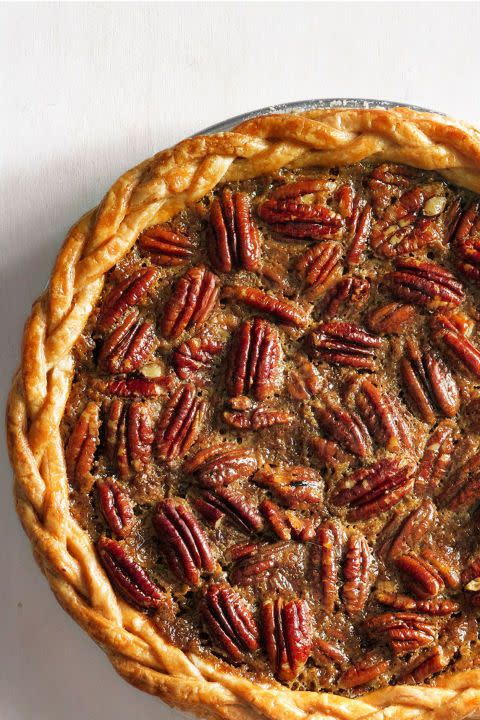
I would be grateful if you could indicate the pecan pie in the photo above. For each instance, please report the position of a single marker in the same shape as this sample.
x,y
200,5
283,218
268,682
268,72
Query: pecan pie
x,y
246,427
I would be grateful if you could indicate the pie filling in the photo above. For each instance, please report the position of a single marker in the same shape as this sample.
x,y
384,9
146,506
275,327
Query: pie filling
x,y
273,433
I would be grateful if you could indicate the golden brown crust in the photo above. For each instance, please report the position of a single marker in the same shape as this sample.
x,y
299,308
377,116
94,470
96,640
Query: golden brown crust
x,y
153,192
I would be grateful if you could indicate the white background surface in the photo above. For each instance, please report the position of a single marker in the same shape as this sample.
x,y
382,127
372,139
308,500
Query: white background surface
x,y
88,91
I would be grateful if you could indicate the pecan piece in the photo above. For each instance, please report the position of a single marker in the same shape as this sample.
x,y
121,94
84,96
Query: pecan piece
x,y
297,486
357,573
285,524
384,418
129,346
342,343
344,427
360,234
191,303
182,541
347,297
429,383
303,381
299,220
405,632
287,634
116,507
422,578
443,564
391,319
194,356
165,247
435,460
127,294
81,447
221,464
425,284
363,673
319,267
232,235
229,621
234,506
446,333
427,665
326,551
128,437
253,363
432,606
258,561
465,491
413,529
375,489
179,424
127,575
283,310
467,241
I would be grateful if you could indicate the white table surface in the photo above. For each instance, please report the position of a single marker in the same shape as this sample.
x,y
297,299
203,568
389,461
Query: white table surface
x,y
87,91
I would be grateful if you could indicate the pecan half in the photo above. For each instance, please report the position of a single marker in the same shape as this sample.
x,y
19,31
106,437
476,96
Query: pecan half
x,y
81,447
425,284
422,578
465,491
194,356
375,489
179,424
342,343
447,334
296,219
297,486
360,234
134,387
165,247
283,310
467,241
253,363
116,507
384,417
257,418
319,267
229,621
357,573
387,182
191,303
232,235
297,188
325,555
221,464
433,606
287,634
363,673
236,507
129,346
128,437
391,319
429,383
127,294
348,296
435,460
182,541
258,561
344,427
127,575
413,529
404,631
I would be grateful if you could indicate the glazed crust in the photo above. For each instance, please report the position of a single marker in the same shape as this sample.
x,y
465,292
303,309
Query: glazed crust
x,y
150,193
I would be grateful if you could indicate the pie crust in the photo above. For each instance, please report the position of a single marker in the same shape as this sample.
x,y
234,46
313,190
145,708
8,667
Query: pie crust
x,y
153,192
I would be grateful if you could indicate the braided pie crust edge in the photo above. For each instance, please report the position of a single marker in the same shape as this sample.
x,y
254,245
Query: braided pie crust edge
x,y
151,193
